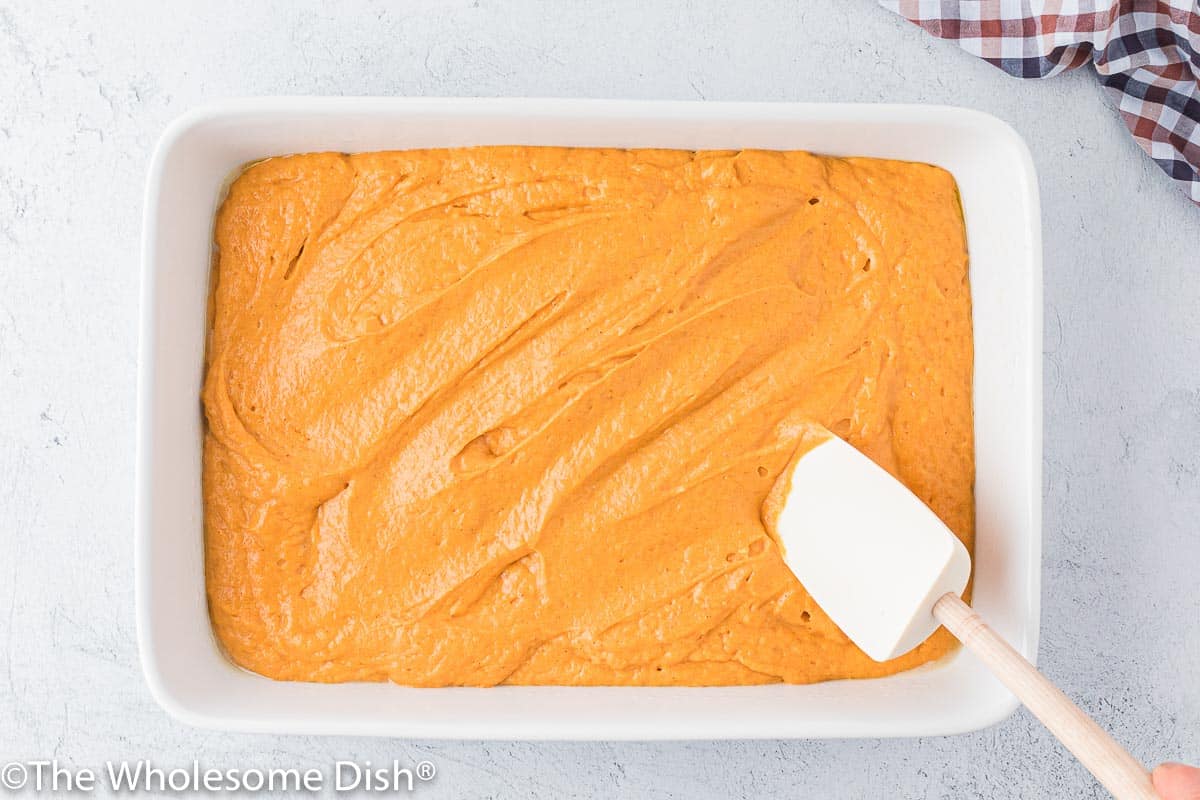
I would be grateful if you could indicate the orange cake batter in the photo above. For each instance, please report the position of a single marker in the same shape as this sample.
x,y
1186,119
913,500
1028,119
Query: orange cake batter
x,y
509,415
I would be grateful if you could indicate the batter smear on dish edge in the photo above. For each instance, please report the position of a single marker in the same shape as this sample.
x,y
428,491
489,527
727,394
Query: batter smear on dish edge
x,y
509,414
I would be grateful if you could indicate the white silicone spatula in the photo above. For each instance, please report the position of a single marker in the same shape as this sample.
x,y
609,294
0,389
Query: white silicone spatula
x,y
888,572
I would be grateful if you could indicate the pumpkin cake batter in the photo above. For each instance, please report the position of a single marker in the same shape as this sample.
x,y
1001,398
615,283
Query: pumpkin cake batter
x,y
509,415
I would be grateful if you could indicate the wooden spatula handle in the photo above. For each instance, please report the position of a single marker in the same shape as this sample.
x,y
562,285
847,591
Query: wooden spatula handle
x,y
1112,765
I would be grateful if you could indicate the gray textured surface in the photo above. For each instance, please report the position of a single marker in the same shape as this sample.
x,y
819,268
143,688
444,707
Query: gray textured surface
x,y
85,93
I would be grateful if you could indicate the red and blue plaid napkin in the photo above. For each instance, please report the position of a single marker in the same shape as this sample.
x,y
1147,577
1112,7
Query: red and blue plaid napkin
x,y
1146,52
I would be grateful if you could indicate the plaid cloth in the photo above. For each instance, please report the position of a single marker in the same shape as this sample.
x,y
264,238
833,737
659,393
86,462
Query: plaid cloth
x,y
1147,54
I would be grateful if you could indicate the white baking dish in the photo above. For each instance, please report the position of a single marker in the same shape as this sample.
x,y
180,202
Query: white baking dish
x,y
193,680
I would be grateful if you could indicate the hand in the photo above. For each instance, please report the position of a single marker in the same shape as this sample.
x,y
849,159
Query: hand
x,y
1176,782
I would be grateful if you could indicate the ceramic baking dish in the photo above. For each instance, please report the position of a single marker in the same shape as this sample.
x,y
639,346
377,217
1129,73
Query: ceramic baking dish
x,y
196,157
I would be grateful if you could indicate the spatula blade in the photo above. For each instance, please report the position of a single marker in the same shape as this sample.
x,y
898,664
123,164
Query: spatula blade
x,y
869,551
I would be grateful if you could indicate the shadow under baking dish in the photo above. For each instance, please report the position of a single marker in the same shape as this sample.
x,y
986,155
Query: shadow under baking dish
x,y
184,667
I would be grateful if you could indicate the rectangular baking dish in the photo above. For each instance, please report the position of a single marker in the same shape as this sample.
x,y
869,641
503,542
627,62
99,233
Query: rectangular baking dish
x,y
192,680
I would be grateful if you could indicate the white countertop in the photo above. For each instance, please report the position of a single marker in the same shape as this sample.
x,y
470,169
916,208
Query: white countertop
x,y
84,96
